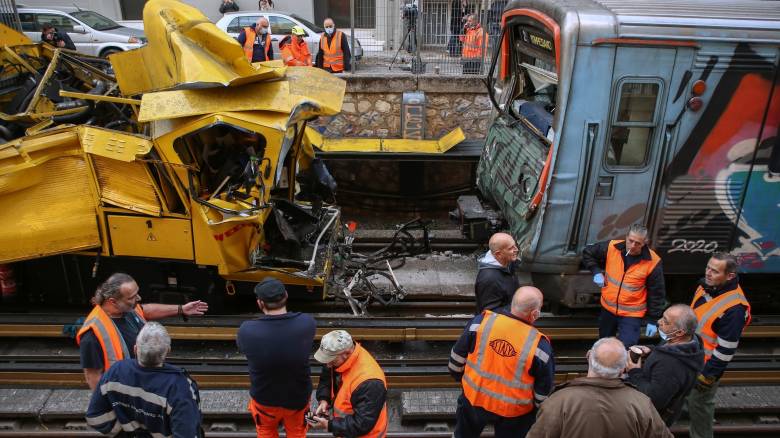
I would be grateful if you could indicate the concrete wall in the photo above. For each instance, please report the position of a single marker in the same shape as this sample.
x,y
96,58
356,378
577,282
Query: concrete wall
x,y
372,106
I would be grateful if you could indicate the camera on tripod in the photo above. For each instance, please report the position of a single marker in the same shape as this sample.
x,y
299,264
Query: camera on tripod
x,y
409,13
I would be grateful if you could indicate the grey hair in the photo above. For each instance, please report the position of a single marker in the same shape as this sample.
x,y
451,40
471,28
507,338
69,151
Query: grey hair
x,y
607,371
153,344
731,261
112,287
638,229
686,319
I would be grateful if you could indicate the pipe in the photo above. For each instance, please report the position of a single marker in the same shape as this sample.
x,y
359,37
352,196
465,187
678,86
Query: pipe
x,y
87,105
317,243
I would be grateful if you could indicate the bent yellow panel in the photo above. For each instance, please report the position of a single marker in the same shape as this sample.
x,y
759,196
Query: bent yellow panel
x,y
54,215
11,37
113,144
126,185
184,50
309,84
389,145
150,237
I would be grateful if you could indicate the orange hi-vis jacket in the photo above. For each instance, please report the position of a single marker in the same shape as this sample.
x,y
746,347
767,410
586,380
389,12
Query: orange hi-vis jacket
x,y
357,369
114,347
497,375
332,55
624,292
249,43
295,54
473,43
710,311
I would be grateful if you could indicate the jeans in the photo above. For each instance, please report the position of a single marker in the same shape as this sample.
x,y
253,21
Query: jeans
x,y
471,420
701,410
626,327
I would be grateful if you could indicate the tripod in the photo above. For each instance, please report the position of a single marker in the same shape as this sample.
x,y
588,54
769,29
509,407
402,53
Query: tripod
x,y
411,35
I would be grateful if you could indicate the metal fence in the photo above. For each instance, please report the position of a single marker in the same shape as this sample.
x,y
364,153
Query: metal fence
x,y
423,36
9,15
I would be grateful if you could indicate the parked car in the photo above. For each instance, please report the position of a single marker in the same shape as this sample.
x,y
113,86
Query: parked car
x,y
281,25
91,32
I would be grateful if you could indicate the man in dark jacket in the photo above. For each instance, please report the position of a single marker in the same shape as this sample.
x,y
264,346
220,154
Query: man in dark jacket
x,y
631,278
277,346
327,49
599,405
146,397
669,371
228,6
353,385
256,41
496,282
49,34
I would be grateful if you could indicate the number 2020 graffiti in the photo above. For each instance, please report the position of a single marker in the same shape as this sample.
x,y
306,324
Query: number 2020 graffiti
x,y
685,245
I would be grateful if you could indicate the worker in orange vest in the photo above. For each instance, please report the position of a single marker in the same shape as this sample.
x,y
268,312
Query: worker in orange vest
x,y
353,385
474,41
108,334
631,278
334,55
505,366
294,49
256,41
723,312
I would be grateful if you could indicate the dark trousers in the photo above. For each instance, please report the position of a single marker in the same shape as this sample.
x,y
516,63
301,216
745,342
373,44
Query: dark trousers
x,y
471,67
471,420
626,327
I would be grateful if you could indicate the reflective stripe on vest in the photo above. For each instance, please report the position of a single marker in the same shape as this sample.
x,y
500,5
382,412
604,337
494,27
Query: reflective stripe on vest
x,y
108,335
358,368
249,43
332,56
625,292
496,377
473,42
711,310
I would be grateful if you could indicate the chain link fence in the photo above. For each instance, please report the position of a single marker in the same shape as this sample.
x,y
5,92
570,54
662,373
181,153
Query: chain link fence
x,y
9,15
426,36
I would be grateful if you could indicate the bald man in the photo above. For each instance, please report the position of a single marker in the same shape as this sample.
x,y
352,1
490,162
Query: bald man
x,y
505,366
600,404
256,41
496,282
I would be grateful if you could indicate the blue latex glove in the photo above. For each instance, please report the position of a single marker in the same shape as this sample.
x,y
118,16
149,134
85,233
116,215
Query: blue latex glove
x,y
651,330
599,279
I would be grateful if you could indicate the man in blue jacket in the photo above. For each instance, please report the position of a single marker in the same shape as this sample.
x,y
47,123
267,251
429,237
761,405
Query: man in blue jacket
x,y
146,395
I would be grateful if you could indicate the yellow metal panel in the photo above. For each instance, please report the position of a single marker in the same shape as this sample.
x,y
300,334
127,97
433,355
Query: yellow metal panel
x,y
113,144
54,214
126,184
390,145
185,50
10,37
150,237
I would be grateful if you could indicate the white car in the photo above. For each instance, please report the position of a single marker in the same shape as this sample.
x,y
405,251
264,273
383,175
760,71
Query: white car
x,y
281,25
91,32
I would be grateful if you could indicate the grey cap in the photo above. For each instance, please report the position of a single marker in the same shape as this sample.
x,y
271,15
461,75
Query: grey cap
x,y
333,344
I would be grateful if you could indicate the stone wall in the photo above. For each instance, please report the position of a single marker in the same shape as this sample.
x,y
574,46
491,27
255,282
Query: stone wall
x,y
372,106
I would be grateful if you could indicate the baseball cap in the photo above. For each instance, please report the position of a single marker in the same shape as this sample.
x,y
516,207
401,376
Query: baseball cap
x,y
332,344
270,290
298,30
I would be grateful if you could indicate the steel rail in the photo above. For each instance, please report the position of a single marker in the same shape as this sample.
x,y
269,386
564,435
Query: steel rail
x,y
406,332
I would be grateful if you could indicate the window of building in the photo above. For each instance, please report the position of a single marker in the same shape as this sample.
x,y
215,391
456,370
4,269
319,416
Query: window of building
x,y
633,124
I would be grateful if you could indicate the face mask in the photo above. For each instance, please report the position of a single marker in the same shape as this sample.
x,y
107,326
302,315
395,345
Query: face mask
x,y
329,30
663,335
263,30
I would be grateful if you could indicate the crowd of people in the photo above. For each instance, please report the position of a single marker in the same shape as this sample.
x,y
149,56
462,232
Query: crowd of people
x,y
506,366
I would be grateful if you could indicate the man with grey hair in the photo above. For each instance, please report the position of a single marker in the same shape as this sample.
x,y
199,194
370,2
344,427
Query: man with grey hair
x,y
505,366
496,281
599,405
631,279
146,396
669,371
109,332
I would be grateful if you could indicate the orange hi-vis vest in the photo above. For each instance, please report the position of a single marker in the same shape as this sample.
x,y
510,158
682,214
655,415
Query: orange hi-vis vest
x,y
625,293
249,43
332,55
295,54
711,310
497,374
114,347
357,369
473,43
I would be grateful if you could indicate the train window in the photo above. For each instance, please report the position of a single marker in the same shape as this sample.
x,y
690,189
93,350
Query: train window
x,y
632,127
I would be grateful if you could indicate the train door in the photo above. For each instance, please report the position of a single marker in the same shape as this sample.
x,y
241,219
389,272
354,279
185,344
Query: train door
x,y
625,167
